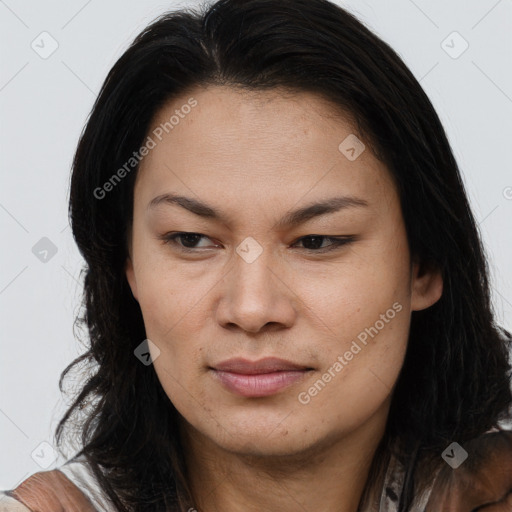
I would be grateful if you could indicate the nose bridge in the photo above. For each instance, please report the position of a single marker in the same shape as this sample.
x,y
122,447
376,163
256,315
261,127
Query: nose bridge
x,y
252,275
254,296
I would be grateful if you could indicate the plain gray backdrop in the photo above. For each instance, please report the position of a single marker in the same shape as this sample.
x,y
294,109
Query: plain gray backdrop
x,y
55,55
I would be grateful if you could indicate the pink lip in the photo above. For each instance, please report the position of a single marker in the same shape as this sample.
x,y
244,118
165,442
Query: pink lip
x,y
258,378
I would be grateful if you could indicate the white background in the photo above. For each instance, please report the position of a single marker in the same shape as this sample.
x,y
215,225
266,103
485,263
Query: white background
x,y
44,104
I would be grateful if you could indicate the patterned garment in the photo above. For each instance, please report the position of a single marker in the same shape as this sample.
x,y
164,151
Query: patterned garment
x,y
482,483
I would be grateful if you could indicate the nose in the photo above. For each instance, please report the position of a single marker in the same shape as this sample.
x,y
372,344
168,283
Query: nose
x,y
256,295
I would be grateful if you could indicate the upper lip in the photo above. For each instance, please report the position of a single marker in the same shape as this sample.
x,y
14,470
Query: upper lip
x,y
266,365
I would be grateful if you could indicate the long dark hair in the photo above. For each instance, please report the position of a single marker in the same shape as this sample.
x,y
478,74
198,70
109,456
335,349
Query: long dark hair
x,y
455,381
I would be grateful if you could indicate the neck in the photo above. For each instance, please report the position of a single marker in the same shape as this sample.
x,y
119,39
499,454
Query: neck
x,y
330,475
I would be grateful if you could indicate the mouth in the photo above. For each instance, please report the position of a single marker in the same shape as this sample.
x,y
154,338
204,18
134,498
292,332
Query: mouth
x,y
258,378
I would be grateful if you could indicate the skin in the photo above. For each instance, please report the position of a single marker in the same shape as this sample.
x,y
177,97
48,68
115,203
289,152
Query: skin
x,y
256,157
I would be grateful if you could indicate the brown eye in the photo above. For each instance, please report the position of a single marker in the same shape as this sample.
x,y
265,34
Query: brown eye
x,y
314,242
183,240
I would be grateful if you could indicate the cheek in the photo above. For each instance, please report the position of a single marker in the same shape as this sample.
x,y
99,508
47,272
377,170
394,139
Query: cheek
x,y
167,296
349,296
357,376
170,324
365,313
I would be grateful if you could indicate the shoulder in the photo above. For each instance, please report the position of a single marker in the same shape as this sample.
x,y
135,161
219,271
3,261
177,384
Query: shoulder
x,y
50,491
482,481
8,504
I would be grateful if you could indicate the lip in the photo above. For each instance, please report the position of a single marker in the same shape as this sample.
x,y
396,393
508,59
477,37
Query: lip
x,y
259,378
265,365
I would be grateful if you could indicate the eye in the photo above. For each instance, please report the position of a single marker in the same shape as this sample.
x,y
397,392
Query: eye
x,y
315,242
187,242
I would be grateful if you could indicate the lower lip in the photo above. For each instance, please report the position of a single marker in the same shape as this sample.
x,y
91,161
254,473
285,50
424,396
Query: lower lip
x,y
263,384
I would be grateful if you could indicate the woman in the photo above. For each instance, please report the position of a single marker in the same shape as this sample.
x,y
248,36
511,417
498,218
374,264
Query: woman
x,y
286,293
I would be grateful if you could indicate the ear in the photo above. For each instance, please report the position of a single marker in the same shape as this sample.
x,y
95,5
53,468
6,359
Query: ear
x,y
426,285
130,276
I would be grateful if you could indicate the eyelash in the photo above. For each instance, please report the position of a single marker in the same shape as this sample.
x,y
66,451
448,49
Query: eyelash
x,y
336,242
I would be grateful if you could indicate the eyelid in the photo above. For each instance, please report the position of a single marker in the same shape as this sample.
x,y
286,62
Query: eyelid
x,y
172,237
336,241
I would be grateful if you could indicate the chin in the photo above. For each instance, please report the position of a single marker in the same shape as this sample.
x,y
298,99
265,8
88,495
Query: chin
x,y
254,445
264,435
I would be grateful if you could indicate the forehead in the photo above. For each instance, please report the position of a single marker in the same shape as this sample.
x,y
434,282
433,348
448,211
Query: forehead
x,y
234,144
283,122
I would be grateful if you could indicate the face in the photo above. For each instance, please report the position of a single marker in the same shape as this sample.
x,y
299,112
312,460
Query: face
x,y
232,264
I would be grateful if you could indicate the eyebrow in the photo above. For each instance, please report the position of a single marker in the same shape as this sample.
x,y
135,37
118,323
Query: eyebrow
x,y
293,218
